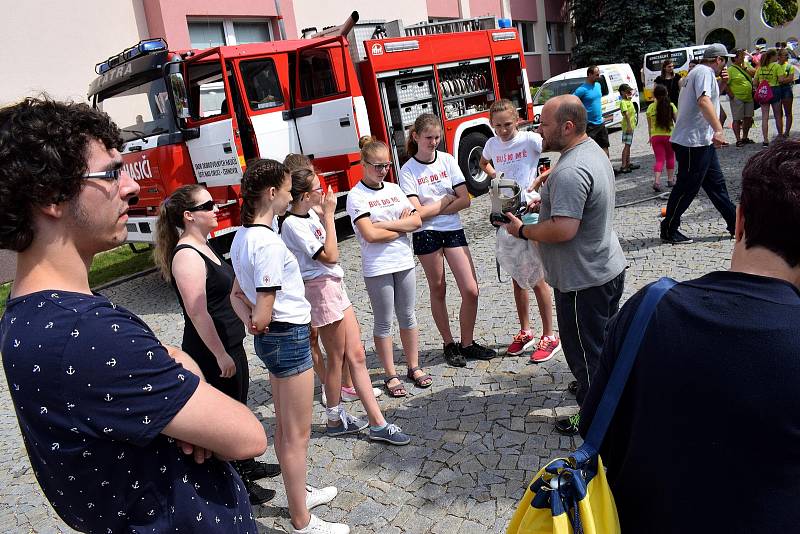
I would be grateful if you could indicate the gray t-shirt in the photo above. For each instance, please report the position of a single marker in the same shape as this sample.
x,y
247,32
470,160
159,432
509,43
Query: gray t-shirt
x,y
581,186
691,128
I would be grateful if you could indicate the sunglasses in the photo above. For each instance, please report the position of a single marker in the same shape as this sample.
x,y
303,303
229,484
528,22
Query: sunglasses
x,y
380,166
205,206
110,176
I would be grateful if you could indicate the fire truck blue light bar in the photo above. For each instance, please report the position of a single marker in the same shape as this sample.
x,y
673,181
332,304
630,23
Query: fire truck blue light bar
x,y
141,48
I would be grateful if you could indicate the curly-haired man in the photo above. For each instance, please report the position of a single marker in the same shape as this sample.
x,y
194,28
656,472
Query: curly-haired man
x,y
107,413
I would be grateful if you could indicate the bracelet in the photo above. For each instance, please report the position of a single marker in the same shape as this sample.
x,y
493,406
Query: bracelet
x,y
520,234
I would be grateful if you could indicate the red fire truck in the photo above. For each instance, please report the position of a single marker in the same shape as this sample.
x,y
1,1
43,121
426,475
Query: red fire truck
x,y
198,115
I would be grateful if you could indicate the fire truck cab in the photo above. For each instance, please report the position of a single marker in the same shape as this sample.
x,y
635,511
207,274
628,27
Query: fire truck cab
x,y
197,116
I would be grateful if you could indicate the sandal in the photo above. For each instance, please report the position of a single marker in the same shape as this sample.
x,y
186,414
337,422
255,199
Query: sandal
x,y
422,381
395,391
658,188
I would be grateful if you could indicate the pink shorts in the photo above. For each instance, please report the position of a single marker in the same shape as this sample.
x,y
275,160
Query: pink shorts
x,y
328,299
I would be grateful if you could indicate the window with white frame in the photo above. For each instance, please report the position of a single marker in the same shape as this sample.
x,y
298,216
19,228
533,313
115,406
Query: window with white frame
x,y
525,30
556,39
207,33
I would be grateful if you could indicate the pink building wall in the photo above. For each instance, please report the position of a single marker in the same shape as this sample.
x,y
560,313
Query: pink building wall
x,y
482,8
168,18
559,63
523,10
443,8
555,11
533,64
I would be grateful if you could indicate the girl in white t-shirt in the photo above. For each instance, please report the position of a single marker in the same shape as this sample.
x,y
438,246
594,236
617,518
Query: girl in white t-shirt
x,y
269,282
382,218
434,184
313,241
516,154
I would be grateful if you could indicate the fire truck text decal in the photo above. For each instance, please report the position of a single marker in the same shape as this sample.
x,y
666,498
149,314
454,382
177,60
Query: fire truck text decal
x,y
139,169
220,167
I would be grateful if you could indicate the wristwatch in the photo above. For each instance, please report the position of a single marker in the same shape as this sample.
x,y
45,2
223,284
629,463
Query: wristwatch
x,y
520,234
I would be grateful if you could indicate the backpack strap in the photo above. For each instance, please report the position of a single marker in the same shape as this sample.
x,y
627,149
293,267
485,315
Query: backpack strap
x,y
622,370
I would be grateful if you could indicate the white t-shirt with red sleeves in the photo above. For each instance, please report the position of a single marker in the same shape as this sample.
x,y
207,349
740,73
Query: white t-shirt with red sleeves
x,y
430,182
262,263
383,203
517,158
305,236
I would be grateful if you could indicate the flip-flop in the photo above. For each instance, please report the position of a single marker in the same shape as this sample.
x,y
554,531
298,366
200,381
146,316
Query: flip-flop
x,y
394,391
422,381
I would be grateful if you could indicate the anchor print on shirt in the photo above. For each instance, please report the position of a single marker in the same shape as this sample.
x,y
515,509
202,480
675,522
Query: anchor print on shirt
x,y
108,397
115,327
75,333
70,371
146,420
149,354
17,344
112,362
147,388
49,325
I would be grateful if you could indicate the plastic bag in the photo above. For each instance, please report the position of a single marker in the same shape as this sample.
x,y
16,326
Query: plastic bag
x,y
519,258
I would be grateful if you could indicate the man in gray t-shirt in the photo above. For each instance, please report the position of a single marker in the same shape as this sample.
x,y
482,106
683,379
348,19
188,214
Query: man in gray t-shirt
x,y
695,139
581,253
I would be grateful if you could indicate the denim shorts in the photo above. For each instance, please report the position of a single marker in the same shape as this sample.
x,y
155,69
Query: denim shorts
x,y
627,138
285,349
785,92
428,241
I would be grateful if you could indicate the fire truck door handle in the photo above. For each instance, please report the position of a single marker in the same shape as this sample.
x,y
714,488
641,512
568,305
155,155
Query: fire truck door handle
x,y
226,147
344,122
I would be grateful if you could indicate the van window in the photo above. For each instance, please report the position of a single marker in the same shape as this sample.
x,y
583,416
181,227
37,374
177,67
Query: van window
x,y
564,87
261,84
317,78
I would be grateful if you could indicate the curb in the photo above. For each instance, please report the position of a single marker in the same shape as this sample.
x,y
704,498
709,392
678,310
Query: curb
x,y
124,279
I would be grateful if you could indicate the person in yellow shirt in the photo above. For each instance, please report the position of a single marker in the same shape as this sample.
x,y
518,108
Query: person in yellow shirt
x,y
771,71
661,116
787,82
740,93
629,120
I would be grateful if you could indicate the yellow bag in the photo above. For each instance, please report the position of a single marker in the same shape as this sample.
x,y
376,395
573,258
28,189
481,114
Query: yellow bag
x,y
572,495
565,500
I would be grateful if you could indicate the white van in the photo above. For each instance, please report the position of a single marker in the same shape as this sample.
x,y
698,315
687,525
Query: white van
x,y
611,77
651,67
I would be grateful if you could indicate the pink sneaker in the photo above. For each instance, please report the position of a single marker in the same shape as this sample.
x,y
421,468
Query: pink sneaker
x,y
350,395
548,347
521,342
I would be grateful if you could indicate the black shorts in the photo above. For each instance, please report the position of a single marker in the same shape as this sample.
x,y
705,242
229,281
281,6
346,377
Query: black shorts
x,y
428,241
599,133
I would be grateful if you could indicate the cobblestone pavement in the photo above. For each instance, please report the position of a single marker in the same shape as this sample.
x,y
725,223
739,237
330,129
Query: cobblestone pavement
x,y
479,433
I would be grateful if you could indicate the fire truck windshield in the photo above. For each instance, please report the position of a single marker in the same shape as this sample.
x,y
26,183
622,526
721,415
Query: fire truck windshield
x,y
139,111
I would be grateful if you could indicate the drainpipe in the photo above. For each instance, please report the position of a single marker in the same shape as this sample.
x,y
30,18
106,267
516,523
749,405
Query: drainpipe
x,y
281,27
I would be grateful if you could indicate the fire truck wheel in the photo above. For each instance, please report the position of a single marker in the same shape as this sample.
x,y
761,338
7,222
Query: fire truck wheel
x,y
469,156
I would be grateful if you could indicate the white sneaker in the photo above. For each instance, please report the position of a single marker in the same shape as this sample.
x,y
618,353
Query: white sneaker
x,y
318,526
350,395
315,496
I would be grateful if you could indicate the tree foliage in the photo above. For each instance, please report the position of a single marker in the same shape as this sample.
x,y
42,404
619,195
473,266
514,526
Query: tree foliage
x,y
610,31
779,12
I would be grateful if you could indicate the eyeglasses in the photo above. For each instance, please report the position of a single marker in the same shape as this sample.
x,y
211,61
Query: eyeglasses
x,y
380,166
205,206
110,176
318,190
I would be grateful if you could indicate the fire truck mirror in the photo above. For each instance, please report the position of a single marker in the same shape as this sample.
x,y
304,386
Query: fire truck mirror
x,y
180,95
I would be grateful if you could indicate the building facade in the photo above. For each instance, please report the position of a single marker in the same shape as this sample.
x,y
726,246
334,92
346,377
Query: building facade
x,y
52,47
739,24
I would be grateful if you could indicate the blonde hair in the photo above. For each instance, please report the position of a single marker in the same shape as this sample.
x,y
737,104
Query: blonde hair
x,y
292,162
424,121
370,147
499,106
170,218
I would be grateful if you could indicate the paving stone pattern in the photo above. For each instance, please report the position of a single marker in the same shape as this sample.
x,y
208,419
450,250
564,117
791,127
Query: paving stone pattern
x,y
479,433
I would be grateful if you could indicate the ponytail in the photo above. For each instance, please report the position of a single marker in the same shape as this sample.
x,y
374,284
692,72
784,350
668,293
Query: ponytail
x,y
170,219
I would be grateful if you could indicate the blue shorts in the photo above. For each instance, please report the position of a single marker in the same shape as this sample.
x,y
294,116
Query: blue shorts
x,y
285,349
627,139
428,241
786,92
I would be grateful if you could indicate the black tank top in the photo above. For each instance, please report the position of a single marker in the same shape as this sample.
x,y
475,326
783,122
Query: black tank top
x,y
219,282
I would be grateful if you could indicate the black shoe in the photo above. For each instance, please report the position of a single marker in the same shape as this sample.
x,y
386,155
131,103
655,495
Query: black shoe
x,y
663,233
477,352
634,166
569,425
254,470
572,387
257,494
453,356
677,238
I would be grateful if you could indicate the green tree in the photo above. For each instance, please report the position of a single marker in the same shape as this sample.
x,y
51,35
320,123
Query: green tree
x,y
610,31
779,12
